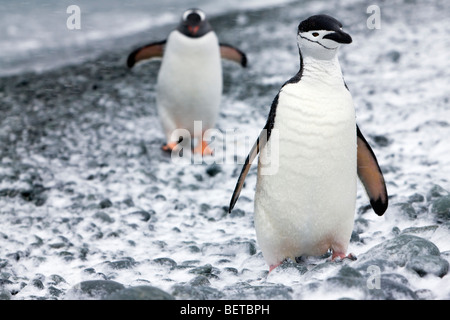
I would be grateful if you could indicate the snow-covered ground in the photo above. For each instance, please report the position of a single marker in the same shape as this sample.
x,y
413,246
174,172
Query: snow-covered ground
x,y
87,194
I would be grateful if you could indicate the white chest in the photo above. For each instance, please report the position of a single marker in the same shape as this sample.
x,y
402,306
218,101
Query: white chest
x,y
191,61
316,124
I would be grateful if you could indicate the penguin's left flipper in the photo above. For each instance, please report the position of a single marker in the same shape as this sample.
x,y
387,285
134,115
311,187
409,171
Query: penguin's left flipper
x,y
371,176
233,54
151,50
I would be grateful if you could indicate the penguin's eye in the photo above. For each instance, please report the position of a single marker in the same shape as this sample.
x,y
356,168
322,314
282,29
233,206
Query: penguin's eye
x,y
315,34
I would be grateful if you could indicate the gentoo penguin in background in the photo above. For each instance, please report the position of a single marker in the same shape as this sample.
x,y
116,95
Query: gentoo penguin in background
x,y
189,85
307,207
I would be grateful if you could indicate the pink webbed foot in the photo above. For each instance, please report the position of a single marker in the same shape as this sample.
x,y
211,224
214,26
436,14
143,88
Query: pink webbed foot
x,y
338,256
203,149
273,266
169,146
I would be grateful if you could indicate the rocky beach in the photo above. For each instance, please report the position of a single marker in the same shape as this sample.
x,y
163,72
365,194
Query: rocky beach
x,y
92,208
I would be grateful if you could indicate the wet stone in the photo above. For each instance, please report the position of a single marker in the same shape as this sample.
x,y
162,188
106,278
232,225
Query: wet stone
x,y
416,198
167,262
407,209
103,216
96,288
143,292
106,203
400,250
271,291
189,292
53,291
56,279
428,264
206,270
437,191
199,281
391,290
440,208
5,294
213,170
126,263
38,284
142,215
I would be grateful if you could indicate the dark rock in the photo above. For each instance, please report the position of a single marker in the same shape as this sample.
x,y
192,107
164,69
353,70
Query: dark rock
x,y
142,215
400,250
231,248
425,294
5,294
231,270
56,279
407,209
188,292
55,291
170,263
213,170
288,264
96,289
441,209
428,264
38,284
199,281
103,216
396,278
127,263
416,197
394,56
381,140
391,290
3,263
105,203
263,292
35,195
143,292
436,192
236,213
347,282
207,270
421,231
57,245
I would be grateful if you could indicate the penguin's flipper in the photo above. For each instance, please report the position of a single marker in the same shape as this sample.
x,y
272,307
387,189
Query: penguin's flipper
x,y
151,50
264,136
240,183
232,53
371,176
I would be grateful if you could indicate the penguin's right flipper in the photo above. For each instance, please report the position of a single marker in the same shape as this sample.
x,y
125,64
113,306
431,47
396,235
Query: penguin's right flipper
x,y
264,136
245,169
151,50
231,53
371,176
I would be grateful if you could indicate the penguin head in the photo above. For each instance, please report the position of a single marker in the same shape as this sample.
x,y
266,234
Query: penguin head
x,y
194,24
320,37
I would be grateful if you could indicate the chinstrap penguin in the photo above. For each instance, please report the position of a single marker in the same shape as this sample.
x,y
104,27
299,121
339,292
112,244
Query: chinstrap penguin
x,y
307,207
189,84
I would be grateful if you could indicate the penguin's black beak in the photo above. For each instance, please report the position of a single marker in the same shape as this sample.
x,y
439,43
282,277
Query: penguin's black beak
x,y
339,36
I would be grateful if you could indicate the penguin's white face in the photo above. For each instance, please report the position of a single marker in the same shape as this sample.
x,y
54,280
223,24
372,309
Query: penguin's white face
x,y
321,36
